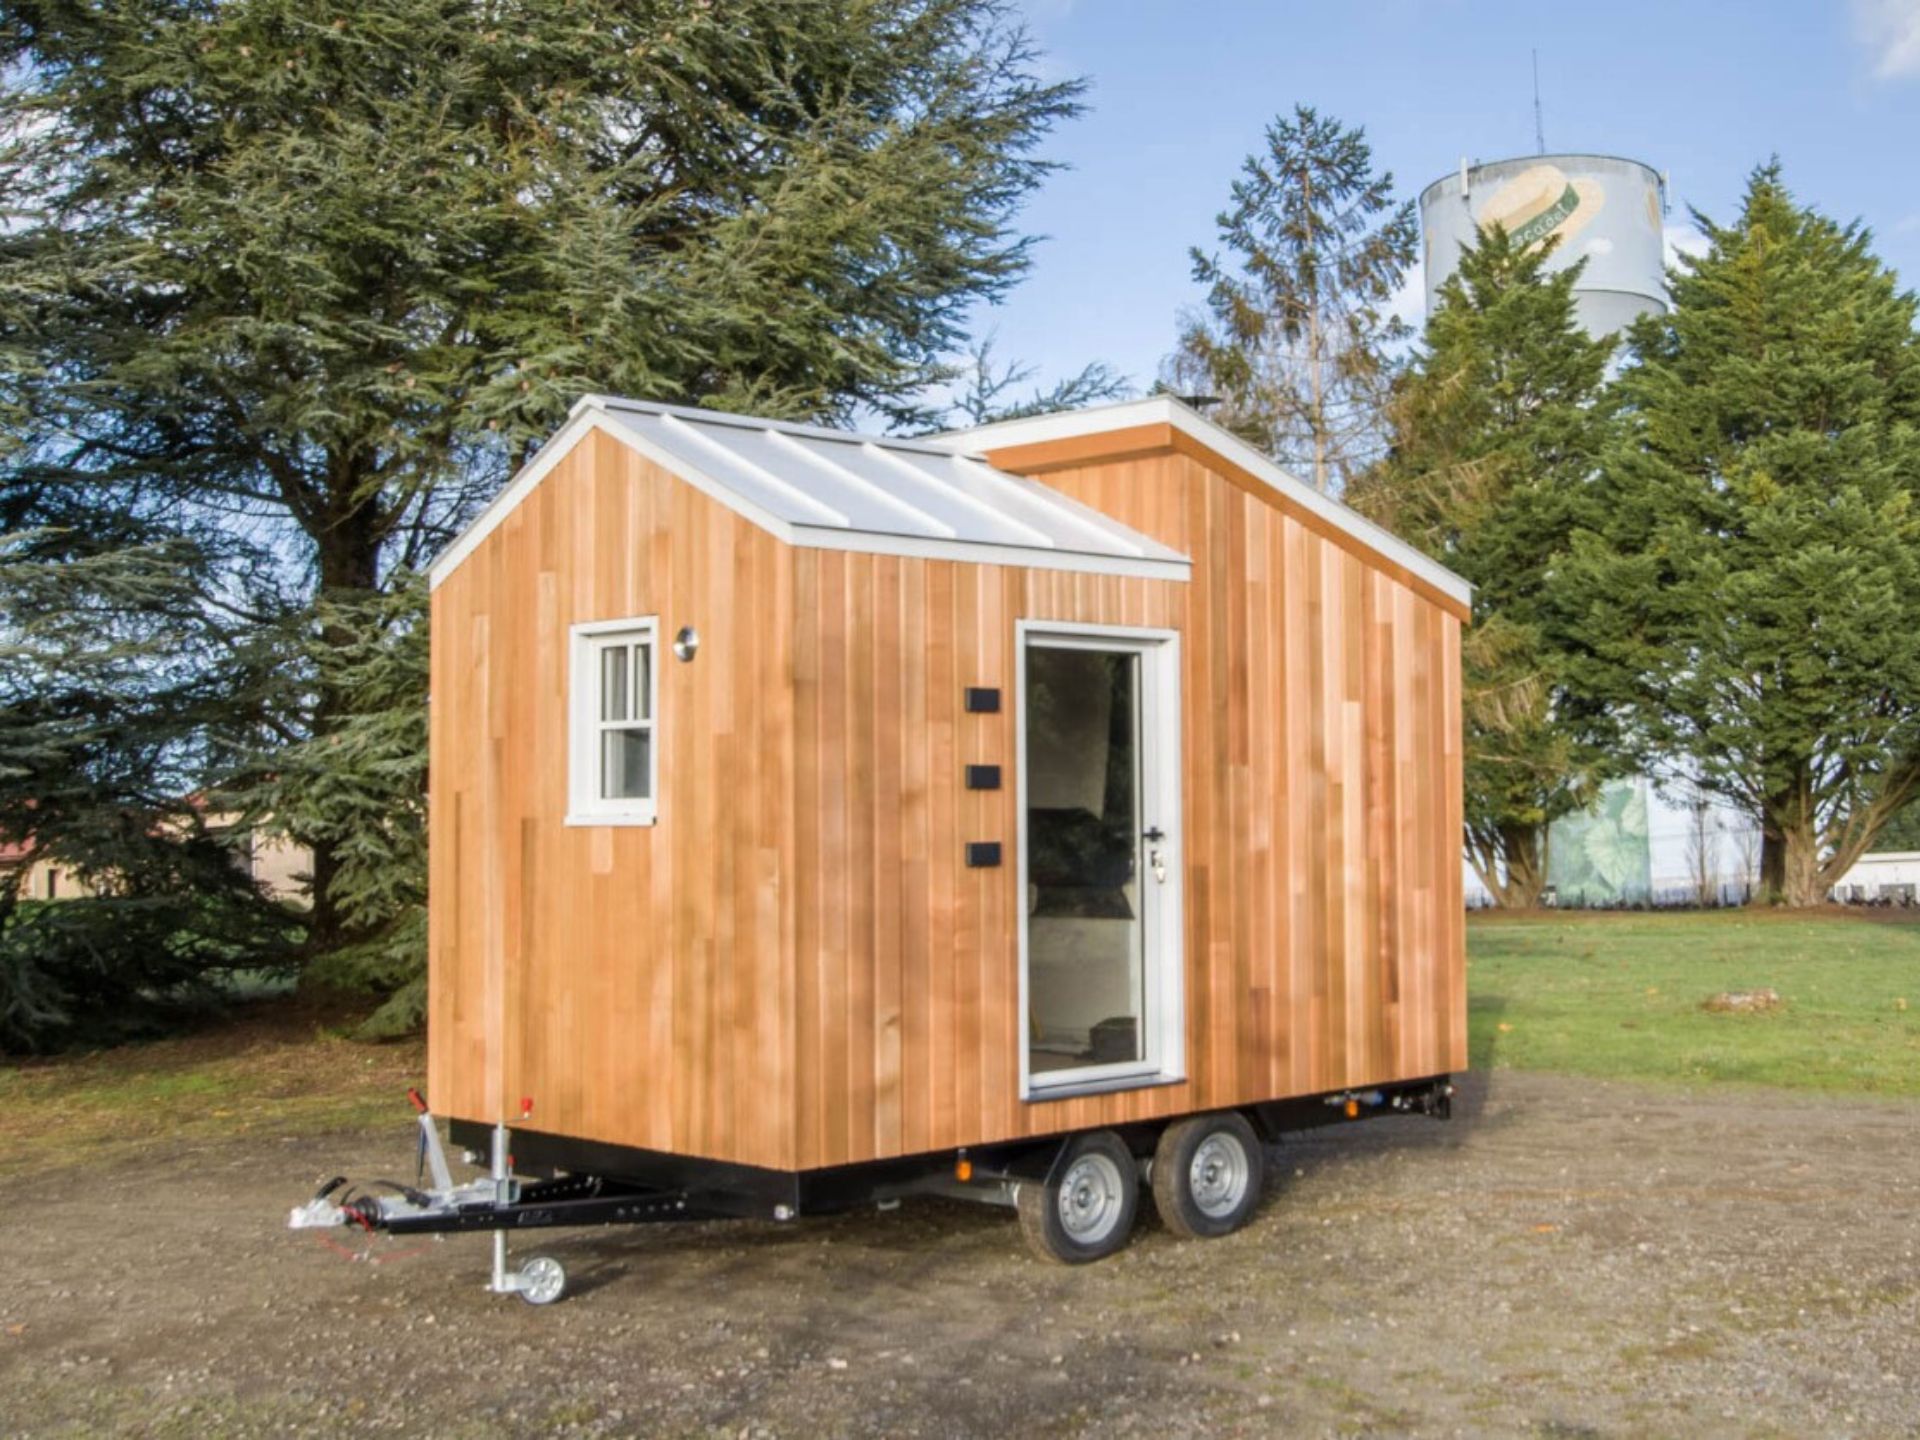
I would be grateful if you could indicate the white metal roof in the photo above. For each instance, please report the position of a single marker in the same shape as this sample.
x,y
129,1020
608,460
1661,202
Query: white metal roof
x,y
1165,410
833,489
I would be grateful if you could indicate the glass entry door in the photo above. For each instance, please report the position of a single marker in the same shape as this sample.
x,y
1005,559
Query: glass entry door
x,y
1099,808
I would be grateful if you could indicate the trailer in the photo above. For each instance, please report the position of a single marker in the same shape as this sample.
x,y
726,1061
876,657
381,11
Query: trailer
x,y
1027,814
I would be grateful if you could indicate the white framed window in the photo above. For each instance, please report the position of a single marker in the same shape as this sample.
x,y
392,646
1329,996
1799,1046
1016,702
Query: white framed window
x,y
613,685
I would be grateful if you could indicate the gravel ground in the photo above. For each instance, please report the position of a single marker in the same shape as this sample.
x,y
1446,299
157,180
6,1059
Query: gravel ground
x,y
1562,1259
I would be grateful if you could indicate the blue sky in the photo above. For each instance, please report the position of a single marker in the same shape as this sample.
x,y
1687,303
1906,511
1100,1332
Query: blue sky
x,y
1702,89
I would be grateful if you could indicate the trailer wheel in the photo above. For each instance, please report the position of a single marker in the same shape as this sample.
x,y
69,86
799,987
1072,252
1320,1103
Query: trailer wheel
x,y
543,1280
1085,1210
1207,1173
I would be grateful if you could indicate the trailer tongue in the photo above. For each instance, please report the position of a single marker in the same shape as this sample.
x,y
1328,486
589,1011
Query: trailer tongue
x,y
497,1202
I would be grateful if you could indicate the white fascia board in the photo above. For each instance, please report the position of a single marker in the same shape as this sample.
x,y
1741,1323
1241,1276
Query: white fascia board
x,y
580,420
1165,410
590,414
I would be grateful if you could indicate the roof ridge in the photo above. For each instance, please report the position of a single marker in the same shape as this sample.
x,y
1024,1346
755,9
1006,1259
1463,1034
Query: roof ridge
x,y
928,445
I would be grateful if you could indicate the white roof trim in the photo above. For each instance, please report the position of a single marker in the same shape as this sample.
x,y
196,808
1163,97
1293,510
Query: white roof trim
x,y
1114,549
1166,410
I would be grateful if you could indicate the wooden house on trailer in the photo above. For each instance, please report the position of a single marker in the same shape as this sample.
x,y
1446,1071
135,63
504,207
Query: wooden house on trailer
x,y
819,817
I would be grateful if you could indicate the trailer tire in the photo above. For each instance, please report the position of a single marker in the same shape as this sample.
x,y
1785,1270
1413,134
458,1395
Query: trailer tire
x,y
1207,1173
1085,1209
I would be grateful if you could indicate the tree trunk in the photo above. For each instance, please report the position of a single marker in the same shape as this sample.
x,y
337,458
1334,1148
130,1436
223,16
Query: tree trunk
x,y
349,562
1316,380
1800,867
1773,864
1511,861
1790,848
1523,851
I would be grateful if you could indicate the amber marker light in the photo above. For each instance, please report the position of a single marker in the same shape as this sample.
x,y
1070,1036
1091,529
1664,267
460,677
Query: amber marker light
x,y
963,1170
1353,1109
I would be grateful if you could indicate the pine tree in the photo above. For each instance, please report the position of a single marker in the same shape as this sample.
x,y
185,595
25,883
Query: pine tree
x,y
361,787
1495,433
1297,339
1901,832
1749,596
988,390
307,277
110,725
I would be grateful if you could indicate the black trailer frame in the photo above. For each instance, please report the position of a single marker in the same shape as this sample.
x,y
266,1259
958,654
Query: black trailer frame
x,y
576,1182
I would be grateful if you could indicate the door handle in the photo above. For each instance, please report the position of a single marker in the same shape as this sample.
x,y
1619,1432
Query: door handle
x,y
1154,836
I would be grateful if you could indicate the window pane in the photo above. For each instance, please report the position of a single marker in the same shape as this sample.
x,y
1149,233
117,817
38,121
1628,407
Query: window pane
x,y
1086,942
613,683
643,670
625,757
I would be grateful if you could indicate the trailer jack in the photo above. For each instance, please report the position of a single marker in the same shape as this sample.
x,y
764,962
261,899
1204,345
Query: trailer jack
x,y
496,1202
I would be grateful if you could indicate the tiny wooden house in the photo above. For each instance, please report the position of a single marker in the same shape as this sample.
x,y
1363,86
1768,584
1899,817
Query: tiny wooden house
x,y
801,799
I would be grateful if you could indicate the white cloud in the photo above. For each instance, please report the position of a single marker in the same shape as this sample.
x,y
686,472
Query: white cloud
x,y
1409,302
1891,30
1683,239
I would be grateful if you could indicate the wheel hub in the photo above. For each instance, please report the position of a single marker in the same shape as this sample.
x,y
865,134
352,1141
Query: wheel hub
x,y
1219,1175
1090,1198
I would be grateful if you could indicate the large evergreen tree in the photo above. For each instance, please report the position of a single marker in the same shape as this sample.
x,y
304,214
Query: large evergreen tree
x,y
1749,597
1495,434
107,718
1297,338
309,275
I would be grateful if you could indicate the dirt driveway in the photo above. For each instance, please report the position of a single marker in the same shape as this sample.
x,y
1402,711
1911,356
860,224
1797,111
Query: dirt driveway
x,y
1562,1259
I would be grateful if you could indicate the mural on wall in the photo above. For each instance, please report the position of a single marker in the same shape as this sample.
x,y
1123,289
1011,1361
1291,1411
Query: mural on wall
x,y
1541,202
1604,857
1600,211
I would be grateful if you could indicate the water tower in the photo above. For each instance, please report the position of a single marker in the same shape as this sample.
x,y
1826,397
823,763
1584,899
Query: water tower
x,y
1605,210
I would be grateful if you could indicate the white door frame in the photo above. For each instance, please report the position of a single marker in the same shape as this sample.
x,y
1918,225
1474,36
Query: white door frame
x,y
1163,932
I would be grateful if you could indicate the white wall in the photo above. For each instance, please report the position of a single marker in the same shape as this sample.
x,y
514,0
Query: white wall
x,y
1875,871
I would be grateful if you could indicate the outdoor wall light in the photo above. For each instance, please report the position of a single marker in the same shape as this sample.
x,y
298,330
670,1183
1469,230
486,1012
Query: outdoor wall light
x,y
686,644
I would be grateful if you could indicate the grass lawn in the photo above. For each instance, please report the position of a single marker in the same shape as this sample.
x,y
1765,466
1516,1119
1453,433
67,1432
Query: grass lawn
x,y
1589,994
272,1067
1619,995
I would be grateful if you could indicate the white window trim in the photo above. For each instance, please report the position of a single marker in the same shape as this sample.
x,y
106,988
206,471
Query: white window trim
x,y
1165,1035
584,803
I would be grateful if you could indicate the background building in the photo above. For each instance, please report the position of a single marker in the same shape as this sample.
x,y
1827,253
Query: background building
x,y
1597,208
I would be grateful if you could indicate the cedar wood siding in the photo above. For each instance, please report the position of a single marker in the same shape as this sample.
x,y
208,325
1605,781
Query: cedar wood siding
x,y
795,968
638,973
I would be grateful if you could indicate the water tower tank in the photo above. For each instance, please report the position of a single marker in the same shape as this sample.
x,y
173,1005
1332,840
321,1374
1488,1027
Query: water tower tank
x,y
1603,209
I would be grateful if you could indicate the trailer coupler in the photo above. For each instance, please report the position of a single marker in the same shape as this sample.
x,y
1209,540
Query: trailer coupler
x,y
496,1202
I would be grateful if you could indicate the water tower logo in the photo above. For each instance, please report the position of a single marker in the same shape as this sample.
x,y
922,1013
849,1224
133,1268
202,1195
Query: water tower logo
x,y
1541,202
